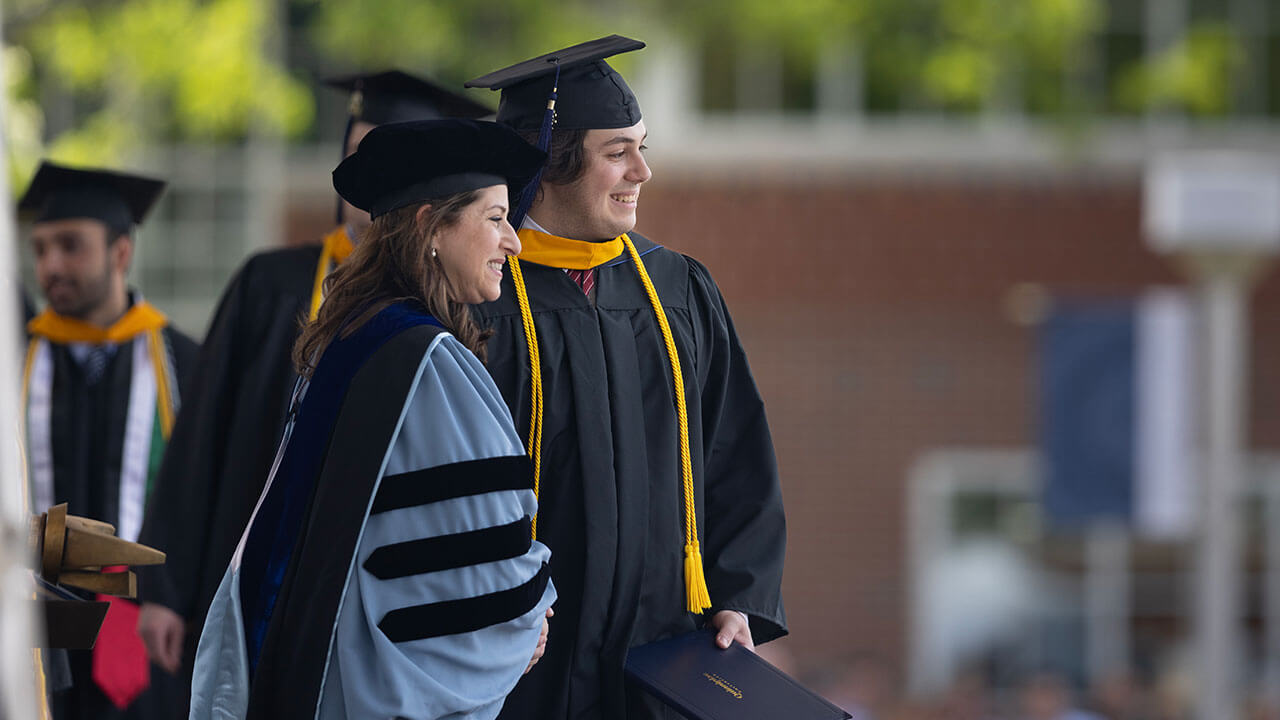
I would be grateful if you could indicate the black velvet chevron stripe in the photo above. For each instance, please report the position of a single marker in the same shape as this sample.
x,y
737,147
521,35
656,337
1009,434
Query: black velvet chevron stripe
x,y
446,552
444,482
451,617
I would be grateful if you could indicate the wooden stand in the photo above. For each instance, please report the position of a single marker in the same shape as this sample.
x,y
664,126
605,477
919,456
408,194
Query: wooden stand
x,y
85,554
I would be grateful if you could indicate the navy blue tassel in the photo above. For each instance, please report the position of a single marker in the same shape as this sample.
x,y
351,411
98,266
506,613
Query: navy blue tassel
x,y
544,144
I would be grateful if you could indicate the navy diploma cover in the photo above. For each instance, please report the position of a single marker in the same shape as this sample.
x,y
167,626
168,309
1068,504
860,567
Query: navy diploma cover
x,y
691,674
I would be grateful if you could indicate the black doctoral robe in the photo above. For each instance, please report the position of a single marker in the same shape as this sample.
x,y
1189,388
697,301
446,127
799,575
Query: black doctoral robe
x,y
611,503
87,428
226,435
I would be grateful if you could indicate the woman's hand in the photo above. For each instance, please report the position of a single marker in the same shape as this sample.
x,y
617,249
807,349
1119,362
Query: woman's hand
x,y
542,641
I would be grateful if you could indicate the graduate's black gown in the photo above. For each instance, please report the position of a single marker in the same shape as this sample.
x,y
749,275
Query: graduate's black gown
x,y
87,427
226,435
611,503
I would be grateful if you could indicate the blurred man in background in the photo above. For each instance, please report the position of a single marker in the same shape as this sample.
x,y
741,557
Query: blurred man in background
x,y
101,389
229,429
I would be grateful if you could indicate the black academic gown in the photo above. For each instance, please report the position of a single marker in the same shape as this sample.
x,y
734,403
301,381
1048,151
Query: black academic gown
x,y
87,427
611,500
225,435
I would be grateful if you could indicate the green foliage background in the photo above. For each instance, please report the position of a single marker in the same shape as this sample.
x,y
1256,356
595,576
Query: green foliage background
x,y
218,70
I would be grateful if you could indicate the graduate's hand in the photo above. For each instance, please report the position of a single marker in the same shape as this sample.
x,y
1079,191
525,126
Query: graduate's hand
x,y
732,626
542,641
162,631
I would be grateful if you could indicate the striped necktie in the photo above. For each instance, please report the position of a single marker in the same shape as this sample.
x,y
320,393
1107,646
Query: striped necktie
x,y
586,279
95,362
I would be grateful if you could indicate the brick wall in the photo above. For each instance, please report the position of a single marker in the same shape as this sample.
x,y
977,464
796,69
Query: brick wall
x,y
872,309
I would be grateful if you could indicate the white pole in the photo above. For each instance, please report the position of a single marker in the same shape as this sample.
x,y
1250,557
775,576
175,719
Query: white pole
x,y
1221,212
1217,610
17,621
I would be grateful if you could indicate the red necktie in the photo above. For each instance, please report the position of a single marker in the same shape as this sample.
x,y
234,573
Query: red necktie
x,y
120,667
586,279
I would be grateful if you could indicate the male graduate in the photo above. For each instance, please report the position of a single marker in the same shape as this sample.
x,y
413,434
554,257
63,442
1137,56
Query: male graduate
x,y
228,431
100,391
658,488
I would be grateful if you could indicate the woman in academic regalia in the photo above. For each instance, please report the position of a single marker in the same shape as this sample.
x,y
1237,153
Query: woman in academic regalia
x,y
389,568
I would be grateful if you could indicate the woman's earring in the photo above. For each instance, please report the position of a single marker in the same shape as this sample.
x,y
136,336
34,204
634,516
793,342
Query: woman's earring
x,y
433,252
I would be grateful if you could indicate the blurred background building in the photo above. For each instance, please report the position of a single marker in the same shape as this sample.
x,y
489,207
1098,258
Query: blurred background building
x,y
904,203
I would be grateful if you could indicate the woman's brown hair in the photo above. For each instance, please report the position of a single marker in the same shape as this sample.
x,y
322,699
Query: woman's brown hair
x,y
392,263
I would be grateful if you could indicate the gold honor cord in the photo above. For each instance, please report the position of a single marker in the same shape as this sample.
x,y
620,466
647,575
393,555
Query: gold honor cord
x,y
697,597
28,492
164,394
535,379
32,348
695,583
337,246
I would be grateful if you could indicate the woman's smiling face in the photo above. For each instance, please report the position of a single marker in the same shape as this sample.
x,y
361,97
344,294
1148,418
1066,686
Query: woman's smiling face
x,y
473,250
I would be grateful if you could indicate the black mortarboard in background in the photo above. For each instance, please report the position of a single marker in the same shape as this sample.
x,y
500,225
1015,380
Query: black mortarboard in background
x,y
395,96
120,200
589,93
404,163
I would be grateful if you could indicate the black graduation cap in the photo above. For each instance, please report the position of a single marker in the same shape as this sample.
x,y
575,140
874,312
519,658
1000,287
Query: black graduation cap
x,y
588,93
120,200
404,163
395,96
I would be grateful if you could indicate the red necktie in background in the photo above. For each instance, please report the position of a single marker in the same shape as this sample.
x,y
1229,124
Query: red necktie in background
x,y
120,667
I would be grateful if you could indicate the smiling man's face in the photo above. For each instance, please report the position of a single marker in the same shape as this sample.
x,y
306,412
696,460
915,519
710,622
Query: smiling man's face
x,y
601,203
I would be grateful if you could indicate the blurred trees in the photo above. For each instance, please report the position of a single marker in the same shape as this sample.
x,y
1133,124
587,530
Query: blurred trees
x,y
86,79
962,56
141,69
1193,74
1035,56
454,40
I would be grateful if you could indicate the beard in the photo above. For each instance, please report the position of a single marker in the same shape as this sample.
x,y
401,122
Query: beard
x,y
78,298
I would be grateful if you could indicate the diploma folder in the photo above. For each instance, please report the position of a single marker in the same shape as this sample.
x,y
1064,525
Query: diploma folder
x,y
693,675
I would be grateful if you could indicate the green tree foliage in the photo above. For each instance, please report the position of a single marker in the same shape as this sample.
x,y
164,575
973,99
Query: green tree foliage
x,y
200,69
1193,75
454,40
966,55
949,54
144,69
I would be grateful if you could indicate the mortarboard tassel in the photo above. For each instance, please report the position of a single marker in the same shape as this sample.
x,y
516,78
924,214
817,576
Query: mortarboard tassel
x,y
354,110
544,144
